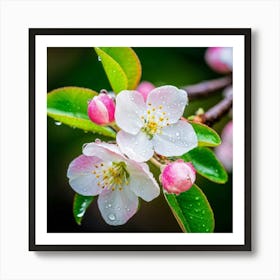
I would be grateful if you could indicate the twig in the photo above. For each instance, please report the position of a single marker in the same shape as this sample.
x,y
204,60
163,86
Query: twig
x,y
220,109
205,88
215,113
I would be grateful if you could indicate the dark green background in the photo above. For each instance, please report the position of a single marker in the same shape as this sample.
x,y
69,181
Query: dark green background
x,y
161,66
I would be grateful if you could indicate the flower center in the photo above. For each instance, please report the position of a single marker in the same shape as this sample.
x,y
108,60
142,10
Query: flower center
x,y
111,177
154,121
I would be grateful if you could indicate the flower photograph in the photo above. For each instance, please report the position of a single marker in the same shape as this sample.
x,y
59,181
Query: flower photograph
x,y
139,139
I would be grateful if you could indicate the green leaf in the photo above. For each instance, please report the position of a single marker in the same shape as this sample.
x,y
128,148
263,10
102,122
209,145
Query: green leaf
x,y
192,210
206,136
80,205
206,164
69,106
122,67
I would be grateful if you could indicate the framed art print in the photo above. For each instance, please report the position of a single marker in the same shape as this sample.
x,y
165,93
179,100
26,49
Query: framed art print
x,y
140,139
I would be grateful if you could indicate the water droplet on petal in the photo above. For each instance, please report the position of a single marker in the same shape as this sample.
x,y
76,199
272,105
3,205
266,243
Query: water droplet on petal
x,y
177,134
97,140
84,145
112,217
109,205
58,123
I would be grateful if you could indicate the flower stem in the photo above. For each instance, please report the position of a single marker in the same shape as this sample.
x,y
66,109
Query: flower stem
x,y
114,127
156,163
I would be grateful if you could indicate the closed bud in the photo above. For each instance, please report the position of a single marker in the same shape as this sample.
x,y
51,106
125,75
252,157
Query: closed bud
x,y
144,88
219,59
178,176
101,109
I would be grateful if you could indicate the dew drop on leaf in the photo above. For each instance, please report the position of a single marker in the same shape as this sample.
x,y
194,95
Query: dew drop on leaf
x,y
58,123
81,213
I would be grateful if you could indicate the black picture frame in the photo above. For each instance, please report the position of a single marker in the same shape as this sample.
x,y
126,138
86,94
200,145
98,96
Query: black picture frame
x,y
33,246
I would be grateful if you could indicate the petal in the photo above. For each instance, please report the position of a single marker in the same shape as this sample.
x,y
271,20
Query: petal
x,y
142,181
106,152
169,101
80,175
175,139
117,207
137,147
130,106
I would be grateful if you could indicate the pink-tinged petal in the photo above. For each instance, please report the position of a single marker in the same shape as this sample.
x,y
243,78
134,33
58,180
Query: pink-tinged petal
x,y
106,152
130,106
110,106
142,181
168,101
175,139
224,151
219,59
145,88
225,155
80,175
137,147
117,207
227,133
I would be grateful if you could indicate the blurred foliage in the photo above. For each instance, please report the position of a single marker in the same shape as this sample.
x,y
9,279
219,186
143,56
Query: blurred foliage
x,y
161,66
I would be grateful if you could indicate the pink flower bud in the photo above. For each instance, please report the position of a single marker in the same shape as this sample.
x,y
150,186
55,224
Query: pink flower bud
x,y
144,88
219,59
224,151
178,176
101,109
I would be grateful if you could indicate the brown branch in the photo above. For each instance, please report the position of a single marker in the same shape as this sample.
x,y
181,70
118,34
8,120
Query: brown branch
x,y
205,88
218,111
